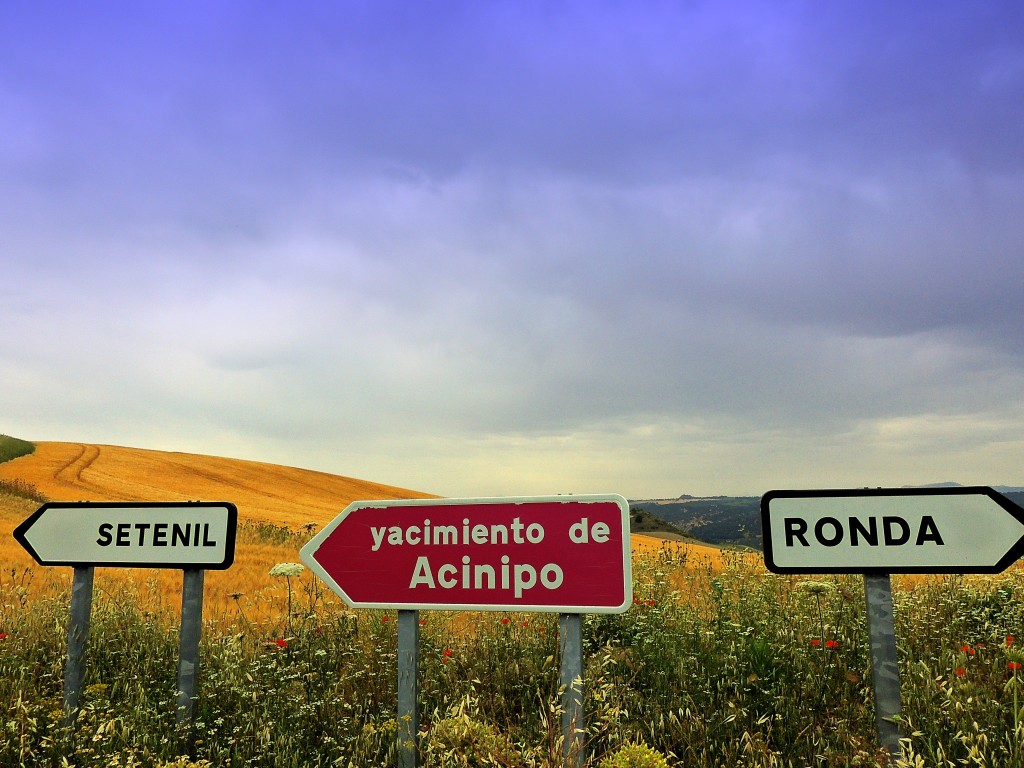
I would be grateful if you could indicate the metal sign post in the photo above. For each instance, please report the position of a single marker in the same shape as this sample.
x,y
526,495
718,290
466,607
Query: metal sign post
x,y
885,673
408,687
78,638
188,654
571,678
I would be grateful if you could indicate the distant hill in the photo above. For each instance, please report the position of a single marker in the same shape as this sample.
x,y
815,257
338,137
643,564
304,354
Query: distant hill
x,y
642,522
732,520
736,520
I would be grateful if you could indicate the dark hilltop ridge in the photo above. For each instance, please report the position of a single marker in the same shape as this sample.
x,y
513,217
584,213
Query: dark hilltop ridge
x,y
732,520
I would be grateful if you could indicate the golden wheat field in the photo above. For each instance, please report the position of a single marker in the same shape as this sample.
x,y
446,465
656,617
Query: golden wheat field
x,y
298,499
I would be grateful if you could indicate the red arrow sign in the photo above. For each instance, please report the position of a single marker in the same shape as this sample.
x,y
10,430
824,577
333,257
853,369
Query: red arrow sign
x,y
569,554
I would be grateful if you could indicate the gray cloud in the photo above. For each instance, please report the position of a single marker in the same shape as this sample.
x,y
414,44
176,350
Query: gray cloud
x,y
563,244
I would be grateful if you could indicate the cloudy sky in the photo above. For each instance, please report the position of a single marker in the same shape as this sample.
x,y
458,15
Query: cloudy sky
x,y
521,247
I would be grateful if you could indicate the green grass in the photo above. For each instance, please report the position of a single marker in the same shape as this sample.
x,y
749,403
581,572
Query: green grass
x,y
708,670
12,448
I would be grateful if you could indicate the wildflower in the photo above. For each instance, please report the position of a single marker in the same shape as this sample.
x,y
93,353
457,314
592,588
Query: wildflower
x,y
816,588
281,643
505,621
651,603
287,569
423,622
831,644
97,689
815,643
526,623
960,671
1009,640
449,652
1014,656
968,650
384,618
1014,665
3,635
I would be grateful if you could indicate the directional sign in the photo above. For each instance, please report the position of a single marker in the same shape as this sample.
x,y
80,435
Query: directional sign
x,y
131,534
891,530
569,554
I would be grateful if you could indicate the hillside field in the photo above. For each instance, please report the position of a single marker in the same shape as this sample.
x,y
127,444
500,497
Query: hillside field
x,y
718,663
279,509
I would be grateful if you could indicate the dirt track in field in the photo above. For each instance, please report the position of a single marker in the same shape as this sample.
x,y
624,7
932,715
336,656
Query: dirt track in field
x,y
262,492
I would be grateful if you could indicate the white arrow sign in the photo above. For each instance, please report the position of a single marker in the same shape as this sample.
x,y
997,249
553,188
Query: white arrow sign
x,y
891,530
132,535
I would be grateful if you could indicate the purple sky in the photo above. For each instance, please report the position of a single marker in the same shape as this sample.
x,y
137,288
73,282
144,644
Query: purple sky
x,y
489,248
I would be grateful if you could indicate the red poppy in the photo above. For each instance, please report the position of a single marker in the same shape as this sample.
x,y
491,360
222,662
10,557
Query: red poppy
x,y
831,644
968,650
960,671
1009,640
505,621
815,643
423,622
526,623
651,603
1014,665
449,652
383,618
3,635
281,643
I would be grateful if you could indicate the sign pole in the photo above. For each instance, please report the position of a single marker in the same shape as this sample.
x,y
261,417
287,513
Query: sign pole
x,y
188,653
408,687
78,638
571,652
885,676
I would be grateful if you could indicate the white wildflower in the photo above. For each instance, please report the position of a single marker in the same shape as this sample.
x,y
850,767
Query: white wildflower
x,y
287,569
816,588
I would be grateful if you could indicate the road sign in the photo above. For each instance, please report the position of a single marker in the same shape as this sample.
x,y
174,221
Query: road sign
x,y
569,554
132,534
891,530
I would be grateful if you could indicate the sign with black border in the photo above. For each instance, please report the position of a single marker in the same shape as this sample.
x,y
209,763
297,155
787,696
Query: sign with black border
x,y
960,529
188,535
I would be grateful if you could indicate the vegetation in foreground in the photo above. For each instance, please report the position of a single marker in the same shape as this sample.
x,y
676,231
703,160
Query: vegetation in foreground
x,y
730,668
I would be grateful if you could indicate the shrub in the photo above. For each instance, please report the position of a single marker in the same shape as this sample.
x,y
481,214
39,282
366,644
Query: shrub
x,y
22,490
634,755
460,741
12,448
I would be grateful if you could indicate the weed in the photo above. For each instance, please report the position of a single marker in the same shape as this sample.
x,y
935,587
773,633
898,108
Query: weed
x,y
710,668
